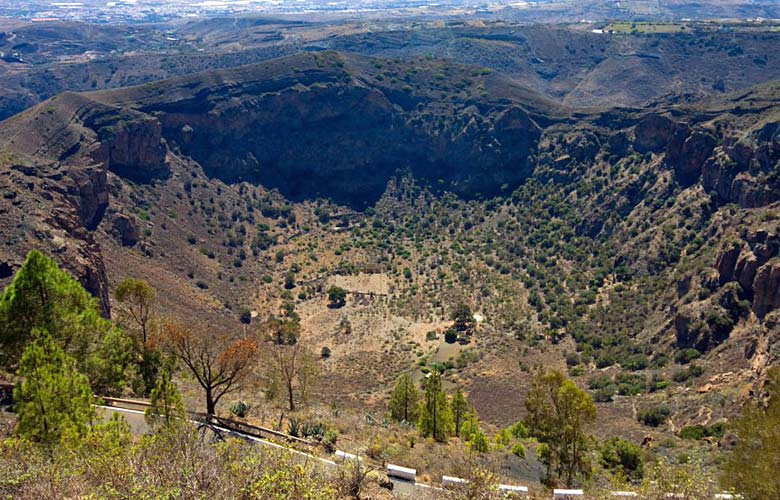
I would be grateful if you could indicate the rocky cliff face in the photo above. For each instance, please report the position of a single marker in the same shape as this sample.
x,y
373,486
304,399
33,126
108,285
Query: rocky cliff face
x,y
343,134
755,266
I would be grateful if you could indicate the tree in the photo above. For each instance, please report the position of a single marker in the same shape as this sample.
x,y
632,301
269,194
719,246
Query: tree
x,y
46,298
136,306
43,296
435,417
558,413
136,300
404,400
472,433
54,400
463,317
337,297
294,368
283,331
111,364
166,405
751,469
460,408
218,363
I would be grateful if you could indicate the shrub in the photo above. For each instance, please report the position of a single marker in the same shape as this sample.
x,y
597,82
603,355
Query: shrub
x,y
518,450
239,409
519,430
325,352
696,432
685,356
330,438
337,297
450,336
655,417
623,457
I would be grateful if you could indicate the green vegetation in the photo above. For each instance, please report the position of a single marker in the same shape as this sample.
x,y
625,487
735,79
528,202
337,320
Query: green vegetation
x,y
623,458
558,415
404,400
54,400
656,416
44,299
751,469
435,418
337,297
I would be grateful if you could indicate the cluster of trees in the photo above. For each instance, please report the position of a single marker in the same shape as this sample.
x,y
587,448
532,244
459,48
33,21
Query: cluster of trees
x,y
54,338
435,414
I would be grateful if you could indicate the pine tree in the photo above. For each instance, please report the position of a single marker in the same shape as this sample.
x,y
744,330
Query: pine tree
x,y
404,400
166,404
460,408
44,297
435,415
54,400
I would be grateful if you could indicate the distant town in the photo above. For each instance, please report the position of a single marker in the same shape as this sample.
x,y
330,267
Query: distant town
x,y
139,11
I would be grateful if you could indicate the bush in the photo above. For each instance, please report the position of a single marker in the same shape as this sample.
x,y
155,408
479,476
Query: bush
x,y
330,438
655,417
325,352
294,427
685,356
239,409
518,450
623,457
450,336
696,432
519,430
337,297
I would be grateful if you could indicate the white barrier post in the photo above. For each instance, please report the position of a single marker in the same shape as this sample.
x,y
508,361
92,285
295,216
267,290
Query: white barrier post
x,y
567,494
508,489
343,456
404,473
451,482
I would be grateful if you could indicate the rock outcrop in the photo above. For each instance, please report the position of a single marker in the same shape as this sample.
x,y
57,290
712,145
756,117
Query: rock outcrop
x,y
766,288
126,229
653,133
137,150
755,266
689,160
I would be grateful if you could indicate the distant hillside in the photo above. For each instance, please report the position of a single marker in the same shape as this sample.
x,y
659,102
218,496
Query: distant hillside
x,y
568,63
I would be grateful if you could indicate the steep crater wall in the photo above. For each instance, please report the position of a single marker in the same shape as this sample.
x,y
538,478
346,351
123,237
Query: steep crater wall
x,y
346,140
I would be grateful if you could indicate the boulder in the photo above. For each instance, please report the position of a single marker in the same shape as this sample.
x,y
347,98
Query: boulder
x,y
6,270
682,327
89,192
126,228
766,288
